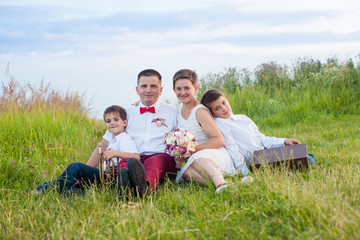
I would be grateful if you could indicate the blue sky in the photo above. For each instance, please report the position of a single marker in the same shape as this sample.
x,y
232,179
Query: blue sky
x,y
98,47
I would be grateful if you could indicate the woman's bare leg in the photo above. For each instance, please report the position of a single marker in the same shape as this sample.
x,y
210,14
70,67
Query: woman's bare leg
x,y
191,174
208,167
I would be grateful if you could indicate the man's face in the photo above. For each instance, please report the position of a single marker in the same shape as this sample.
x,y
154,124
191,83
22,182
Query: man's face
x,y
149,90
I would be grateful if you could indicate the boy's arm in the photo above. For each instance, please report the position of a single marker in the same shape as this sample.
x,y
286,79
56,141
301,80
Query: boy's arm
x,y
125,148
268,142
291,141
110,153
95,156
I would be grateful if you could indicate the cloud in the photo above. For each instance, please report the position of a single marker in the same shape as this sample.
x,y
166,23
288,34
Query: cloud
x,y
83,43
60,27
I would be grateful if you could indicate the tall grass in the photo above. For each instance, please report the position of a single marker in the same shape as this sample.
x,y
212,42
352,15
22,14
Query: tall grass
x,y
277,95
313,101
42,130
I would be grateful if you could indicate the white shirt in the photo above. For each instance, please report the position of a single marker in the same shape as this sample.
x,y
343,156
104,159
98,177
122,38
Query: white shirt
x,y
144,130
242,138
123,143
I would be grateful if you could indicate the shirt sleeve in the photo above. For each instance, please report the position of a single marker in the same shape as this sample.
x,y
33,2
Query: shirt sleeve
x,y
230,143
108,136
268,142
127,144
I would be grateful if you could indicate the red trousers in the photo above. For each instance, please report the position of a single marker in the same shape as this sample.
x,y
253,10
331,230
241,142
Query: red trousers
x,y
157,166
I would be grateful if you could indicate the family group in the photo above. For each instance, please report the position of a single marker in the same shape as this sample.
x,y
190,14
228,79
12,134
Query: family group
x,y
225,141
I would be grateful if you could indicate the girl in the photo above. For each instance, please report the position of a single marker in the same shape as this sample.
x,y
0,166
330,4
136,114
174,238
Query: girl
x,y
241,134
211,158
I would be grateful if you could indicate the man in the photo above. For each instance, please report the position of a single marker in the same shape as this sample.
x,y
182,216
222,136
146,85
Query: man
x,y
147,125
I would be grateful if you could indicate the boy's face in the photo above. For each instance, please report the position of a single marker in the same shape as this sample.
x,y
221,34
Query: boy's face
x,y
221,108
149,90
114,123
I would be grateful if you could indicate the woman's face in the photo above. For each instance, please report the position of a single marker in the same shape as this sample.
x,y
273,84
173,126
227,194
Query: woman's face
x,y
184,90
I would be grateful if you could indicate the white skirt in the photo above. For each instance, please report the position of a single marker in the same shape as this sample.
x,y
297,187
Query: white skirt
x,y
220,156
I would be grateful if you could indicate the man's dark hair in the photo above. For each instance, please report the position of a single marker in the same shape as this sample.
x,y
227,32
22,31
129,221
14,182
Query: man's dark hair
x,y
148,73
116,109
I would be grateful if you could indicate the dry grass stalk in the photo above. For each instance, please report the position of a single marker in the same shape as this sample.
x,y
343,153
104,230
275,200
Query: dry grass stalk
x,y
29,97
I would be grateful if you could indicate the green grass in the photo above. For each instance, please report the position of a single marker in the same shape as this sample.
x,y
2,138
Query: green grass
x,y
321,203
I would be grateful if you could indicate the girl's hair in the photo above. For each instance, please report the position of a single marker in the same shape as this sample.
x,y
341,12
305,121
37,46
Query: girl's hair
x,y
210,96
116,109
186,74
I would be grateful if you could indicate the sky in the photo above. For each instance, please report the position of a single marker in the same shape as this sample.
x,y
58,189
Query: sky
x,y
97,48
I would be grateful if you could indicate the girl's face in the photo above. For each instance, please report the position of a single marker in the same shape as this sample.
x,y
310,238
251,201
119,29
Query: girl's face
x,y
184,90
221,108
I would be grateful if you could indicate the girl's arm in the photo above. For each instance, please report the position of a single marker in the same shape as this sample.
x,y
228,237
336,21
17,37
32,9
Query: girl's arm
x,y
207,123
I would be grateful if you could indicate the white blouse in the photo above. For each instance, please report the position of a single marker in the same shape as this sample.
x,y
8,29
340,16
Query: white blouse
x,y
242,138
191,124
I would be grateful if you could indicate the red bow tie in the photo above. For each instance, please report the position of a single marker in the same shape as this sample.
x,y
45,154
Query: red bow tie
x,y
150,109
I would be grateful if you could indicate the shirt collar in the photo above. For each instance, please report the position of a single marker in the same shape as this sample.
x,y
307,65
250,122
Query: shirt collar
x,y
117,137
232,117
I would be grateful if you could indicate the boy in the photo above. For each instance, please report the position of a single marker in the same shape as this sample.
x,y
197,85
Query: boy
x,y
120,146
242,136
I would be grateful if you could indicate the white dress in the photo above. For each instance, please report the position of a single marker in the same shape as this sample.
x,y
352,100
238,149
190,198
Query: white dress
x,y
220,156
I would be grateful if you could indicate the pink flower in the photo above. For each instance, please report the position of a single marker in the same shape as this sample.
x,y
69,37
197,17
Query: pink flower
x,y
159,122
182,150
180,143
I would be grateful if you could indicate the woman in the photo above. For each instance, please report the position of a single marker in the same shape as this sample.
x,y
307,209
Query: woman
x,y
211,160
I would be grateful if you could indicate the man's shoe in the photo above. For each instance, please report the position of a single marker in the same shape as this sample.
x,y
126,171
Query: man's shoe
x,y
123,182
137,176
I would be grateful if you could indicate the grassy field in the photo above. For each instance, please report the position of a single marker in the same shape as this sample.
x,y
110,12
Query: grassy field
x,y
42,134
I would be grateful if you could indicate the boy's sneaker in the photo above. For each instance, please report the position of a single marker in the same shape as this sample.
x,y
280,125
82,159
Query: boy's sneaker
x,y
311,159
247,180
32,191
137,176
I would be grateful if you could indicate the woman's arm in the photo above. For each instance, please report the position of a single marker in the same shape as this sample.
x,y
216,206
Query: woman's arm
x,y
207,123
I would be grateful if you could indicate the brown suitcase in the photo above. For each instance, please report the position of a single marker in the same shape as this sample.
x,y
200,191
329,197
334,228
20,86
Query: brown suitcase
x,y
294,157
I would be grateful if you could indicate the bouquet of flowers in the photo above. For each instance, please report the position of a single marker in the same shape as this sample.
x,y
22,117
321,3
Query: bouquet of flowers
x,y
180,144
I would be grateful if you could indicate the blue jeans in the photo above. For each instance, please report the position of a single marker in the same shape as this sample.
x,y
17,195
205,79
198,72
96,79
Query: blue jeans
x,y
76,171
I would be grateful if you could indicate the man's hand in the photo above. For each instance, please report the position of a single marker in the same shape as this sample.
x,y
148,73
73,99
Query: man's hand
x,y
291,141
